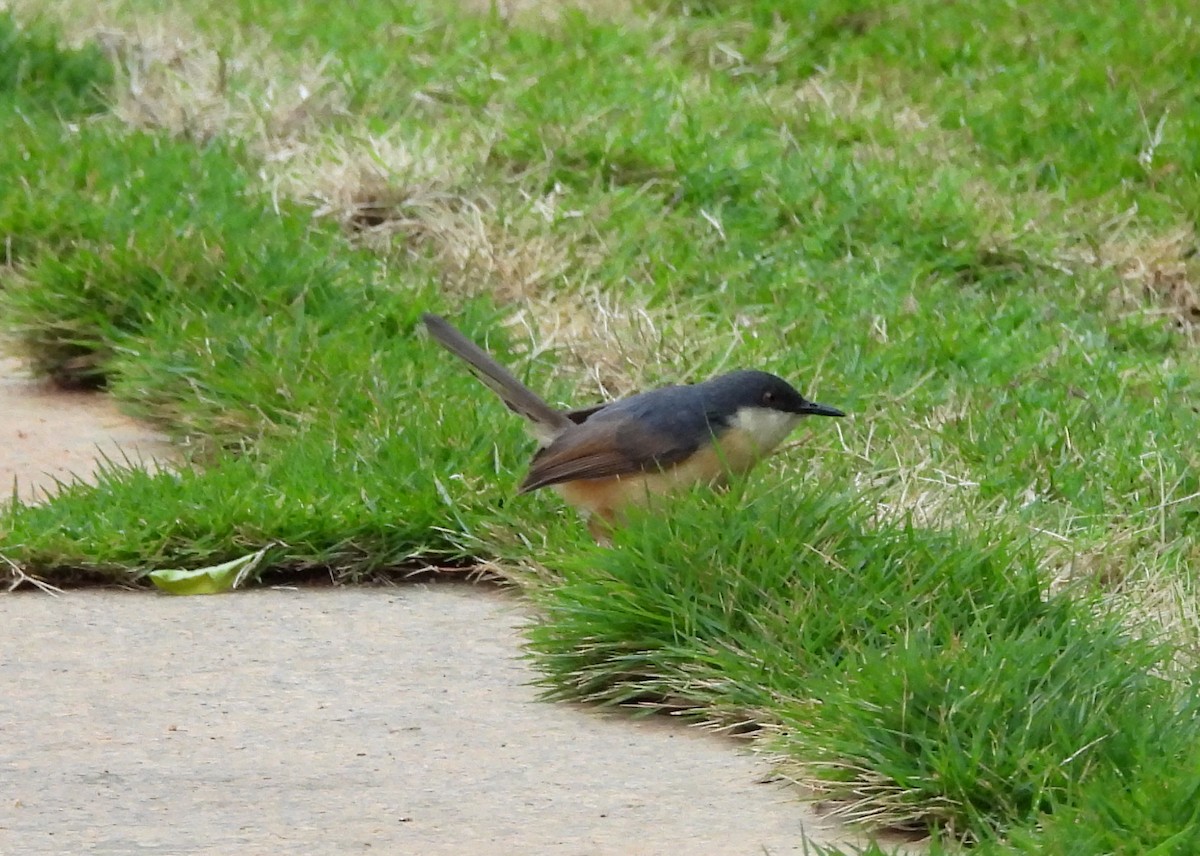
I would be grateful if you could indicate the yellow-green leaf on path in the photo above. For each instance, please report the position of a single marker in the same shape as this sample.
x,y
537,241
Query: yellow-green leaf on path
x,y
211,580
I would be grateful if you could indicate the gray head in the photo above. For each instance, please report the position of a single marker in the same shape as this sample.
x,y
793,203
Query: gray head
x,y
739,390
760,406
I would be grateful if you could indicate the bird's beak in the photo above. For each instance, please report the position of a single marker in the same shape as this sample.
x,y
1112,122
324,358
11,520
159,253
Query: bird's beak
x,y
811,408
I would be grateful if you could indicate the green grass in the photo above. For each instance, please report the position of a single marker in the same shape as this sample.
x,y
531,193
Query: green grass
x,y
37,74
948,695
915,211
1065,97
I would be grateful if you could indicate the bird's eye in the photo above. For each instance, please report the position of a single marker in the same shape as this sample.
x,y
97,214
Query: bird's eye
x,y
768,398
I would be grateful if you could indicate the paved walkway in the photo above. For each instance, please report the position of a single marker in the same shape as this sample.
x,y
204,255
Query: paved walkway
x,y
395,721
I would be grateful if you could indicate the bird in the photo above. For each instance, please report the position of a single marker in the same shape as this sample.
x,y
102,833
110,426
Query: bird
x,y
604,458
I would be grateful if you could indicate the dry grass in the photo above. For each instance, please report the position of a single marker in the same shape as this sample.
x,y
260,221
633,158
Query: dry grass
x,y
529,250
1159,275
923,491
371,180
1167,606
1155,598
519,249
189,89
530,12
1142,568
610,345
172,78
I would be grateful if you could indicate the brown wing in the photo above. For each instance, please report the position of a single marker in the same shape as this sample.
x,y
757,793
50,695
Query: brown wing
x,y
604,448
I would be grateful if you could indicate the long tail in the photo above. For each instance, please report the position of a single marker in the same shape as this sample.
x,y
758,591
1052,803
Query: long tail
x,y
548,423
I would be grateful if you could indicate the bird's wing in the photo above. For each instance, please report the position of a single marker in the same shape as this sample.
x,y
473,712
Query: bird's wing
x,y
602,448
579,415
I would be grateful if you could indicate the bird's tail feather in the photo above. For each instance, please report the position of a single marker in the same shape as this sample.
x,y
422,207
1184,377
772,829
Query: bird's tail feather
x,y
547,422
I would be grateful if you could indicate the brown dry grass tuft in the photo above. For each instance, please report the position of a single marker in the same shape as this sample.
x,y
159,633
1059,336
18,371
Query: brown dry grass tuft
x,y
171,78
529,12
1148,585
1167,605
478,249
374,185
1142,569
1158,274
876,801
610,346
400,195
927,494
186,87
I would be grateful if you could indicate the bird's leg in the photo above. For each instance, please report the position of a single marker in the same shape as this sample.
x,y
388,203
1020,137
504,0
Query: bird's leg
x,y
601,527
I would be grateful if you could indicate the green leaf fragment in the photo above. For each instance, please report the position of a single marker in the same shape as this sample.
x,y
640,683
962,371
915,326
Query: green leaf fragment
x,y
213,579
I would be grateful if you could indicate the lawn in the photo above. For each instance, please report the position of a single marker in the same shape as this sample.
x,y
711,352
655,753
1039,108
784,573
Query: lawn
x,y
970,608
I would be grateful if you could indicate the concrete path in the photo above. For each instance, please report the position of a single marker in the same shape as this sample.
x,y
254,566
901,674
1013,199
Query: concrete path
x,y
394,721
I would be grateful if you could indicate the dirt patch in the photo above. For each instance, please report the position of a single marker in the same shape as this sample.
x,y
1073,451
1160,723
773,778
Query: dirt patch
x,y
49,436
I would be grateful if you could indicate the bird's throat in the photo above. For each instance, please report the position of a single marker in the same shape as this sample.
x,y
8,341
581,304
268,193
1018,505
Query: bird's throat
x,y
763,427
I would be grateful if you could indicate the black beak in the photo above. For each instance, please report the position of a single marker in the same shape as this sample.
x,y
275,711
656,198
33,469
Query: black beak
x,y
811,408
